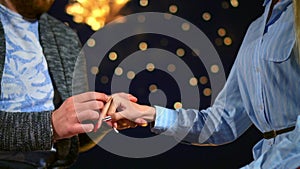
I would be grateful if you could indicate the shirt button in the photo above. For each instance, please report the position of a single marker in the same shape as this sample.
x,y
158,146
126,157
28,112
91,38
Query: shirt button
x,y
257,69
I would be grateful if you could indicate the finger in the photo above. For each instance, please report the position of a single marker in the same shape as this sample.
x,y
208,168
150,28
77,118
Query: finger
x,y
132,98
83,128
87,115
112,111
90,105
84,97
115,116
127,96
115,125
103,114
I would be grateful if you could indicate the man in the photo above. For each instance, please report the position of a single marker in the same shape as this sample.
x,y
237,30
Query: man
x,y
262,89
39,118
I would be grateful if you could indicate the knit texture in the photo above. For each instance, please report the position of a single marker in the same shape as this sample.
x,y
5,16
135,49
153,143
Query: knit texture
x,y
28,132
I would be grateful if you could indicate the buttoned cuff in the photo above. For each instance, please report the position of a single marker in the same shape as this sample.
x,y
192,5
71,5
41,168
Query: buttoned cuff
x,y
165,118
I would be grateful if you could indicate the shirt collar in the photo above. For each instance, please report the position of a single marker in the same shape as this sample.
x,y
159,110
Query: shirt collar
x,y
267,1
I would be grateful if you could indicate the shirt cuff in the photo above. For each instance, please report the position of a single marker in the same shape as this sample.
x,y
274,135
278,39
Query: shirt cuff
x,y
165,119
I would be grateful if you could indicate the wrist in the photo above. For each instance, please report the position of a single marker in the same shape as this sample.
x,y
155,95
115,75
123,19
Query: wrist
x,y
148,113
52,128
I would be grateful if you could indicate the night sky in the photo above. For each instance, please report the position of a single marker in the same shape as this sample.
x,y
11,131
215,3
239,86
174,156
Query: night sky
x,y
234,20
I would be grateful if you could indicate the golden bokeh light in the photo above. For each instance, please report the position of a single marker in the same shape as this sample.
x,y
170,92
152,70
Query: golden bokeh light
x,y
193,81
94,13
177,105
214,68
180,52
91,42
94,70
227,41
225,5
234,3
171,68
203,80
141,18
207,92
130,75
206,16
219,41
167,16
104,79
143,46
173,8
118,71
144,2
113,56
185,26
221,32
152,88
150,67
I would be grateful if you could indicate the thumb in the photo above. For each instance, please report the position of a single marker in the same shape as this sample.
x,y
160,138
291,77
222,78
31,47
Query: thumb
x,y
117,116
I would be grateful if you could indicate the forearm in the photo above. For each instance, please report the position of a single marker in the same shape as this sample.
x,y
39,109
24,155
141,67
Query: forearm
x,y
212,126
25,131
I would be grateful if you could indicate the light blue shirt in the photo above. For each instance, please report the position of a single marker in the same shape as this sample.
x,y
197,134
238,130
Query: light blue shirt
x,y
263,89
26,85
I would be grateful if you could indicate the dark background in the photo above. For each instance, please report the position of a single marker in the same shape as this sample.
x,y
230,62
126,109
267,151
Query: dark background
x,y
235,21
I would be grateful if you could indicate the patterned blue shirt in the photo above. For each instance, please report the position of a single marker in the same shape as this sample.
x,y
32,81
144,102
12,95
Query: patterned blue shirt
x,y
262,89
26,85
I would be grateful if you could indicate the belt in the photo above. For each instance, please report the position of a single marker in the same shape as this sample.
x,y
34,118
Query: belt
x,y
274,133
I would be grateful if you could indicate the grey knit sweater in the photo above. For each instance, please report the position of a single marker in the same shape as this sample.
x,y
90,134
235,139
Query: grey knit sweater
x,y
28,132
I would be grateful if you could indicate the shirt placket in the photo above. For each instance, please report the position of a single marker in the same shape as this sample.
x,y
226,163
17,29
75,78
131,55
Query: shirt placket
x,y
259,103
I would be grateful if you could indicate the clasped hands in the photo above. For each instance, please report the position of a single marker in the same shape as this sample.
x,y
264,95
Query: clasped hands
x,y
125,112
85,112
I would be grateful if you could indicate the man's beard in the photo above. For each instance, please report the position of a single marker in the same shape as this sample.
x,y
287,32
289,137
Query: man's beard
x,y
32,9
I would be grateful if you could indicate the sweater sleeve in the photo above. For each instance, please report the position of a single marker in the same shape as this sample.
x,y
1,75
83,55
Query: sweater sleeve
x,y
25,131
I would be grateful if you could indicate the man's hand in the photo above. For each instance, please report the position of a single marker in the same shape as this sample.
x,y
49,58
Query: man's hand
x,y
67,120
128,114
